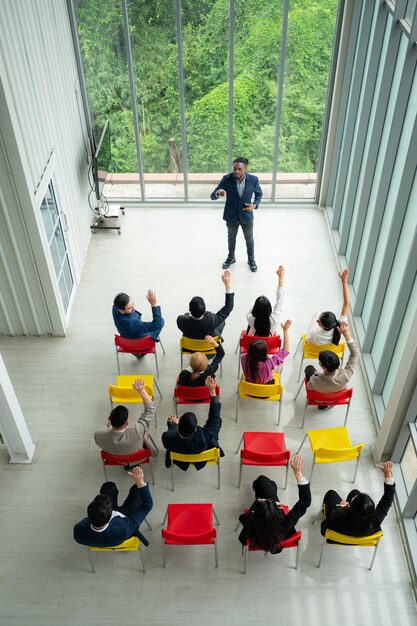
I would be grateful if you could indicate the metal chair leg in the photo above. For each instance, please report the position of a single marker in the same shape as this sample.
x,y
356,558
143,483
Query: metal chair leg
x,y
304,414
156,364
245,559
312,470
218,473
153,441
373,558
165,517
347,412
238,365
142,561
172,475
286,475
279,410
216,556
297,348
356,468
301,367
297,556
147,524
105,471
321,553
240,443
157,386
237,345
164,561
240,474
215,517
90,558
118,364
302,443
163,349
298,391
237,407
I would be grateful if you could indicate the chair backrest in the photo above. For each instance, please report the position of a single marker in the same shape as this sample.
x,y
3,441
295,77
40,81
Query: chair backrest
x,y
330,455
124,459
197,345
312,350
338,397
127,394
144,344
189,524
370,540
193,395
130,544
259,391
210,456
269,457
273,342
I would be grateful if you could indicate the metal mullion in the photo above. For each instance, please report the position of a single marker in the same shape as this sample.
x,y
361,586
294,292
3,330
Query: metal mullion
x,y
231,80
402,439
357,79
390,156
178,22
133,96
410,508
280,93
358,142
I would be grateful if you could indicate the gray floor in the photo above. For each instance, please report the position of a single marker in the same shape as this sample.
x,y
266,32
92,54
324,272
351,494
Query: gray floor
x,y
62,383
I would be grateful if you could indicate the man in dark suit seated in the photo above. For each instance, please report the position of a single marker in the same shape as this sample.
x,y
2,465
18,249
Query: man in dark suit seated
x,y
186,437
198,322
108,524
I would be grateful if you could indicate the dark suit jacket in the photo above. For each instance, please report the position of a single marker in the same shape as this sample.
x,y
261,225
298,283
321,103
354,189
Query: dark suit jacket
x,y
119,528
198,329
294,514
185,376
233,208
340,518
203,438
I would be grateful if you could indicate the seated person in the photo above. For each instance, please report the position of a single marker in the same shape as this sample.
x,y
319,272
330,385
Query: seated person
x,y
357,516
325,329
185,436
120,437
333,378
265,524
198,322
196,373
128,321
107,523
257,366
262,319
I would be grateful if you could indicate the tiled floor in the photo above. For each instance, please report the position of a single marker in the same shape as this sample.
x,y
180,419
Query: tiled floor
x,y
61,385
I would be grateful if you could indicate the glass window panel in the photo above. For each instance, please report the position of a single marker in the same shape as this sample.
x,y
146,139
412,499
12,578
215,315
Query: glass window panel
x,y
409,466
411,7
63,288
311,27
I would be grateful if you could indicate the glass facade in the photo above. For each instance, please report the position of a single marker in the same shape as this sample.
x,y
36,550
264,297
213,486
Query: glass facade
x,y
209,79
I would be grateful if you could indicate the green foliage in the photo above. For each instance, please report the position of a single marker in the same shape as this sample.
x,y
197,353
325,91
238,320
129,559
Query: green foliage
x,y
205,27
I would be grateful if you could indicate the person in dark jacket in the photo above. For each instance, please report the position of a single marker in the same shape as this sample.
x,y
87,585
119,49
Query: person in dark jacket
x,y
196,373
128,320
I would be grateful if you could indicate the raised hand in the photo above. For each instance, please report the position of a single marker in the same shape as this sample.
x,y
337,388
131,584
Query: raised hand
x,y
151,297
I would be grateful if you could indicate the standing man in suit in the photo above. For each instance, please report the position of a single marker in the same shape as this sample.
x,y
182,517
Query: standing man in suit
x,y
243,194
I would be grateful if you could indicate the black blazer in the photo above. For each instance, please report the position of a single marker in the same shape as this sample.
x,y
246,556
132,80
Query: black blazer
x,y
198,329
234,205
185,376
341,520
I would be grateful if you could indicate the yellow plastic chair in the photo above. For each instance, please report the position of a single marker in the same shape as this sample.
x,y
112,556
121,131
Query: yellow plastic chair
x,y
332,445
211,457
130,545
188,346
252,391
311,351
340,539
123,393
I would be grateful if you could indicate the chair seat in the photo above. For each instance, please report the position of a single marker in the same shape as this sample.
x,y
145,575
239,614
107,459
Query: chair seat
x,y
126,393
264,448
311,350
335,438
253,391
132,543
370,540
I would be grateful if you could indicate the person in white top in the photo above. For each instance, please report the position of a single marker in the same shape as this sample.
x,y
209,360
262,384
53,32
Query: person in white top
x,y
262,319
325,329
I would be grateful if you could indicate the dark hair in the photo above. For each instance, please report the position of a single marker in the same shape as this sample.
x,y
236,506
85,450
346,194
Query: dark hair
x,y
329,360
187,424
197,306
330,322
361,511
121,301
99,510
261,311
266,526
241,159
119,416
257,351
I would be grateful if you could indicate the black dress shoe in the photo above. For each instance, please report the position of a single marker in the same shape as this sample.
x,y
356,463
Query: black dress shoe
x,y
228,262
253,266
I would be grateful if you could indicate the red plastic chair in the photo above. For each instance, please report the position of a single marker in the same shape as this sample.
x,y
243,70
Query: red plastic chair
x,y
273,342
265,449
289,542
189,524
142,456
192,395
338,398
144,345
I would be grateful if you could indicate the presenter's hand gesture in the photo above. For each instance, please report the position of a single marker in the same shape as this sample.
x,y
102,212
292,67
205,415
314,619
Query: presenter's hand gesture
x,y
221,193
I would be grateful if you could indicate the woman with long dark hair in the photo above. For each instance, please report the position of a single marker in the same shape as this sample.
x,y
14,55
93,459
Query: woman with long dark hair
x,y
257,366
265,524
357,516
263,320
326,327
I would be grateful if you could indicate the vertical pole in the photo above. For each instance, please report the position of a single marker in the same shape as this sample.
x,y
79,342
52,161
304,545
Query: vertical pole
x,y
279,96
231,78
133,97
182,97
